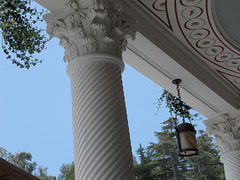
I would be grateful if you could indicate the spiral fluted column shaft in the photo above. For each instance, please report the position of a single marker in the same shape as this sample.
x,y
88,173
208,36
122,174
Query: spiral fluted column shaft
x,y
231,163
102,147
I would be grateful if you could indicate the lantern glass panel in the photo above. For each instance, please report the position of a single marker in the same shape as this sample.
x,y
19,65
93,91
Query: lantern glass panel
x,y
188,143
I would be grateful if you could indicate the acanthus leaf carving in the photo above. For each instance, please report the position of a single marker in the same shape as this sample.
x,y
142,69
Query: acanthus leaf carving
x,y
72,5
71,51
88,46
99,29
226,132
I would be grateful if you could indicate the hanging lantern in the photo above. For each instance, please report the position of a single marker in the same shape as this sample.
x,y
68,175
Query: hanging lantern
x,y
185,132
186,137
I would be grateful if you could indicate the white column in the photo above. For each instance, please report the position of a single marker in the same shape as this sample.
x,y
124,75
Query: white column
x,y
226,129
93,40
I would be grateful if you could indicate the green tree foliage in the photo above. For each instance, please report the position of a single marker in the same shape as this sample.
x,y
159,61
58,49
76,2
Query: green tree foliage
x,y
42,174
207,164
4,154
67,172
161,160
143,170
24,160
164,159
21,38
176,106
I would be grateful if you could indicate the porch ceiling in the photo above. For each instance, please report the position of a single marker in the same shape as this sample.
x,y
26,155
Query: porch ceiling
x,y
185,39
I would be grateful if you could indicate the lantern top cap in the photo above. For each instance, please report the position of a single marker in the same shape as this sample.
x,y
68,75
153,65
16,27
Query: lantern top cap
x,y
186,127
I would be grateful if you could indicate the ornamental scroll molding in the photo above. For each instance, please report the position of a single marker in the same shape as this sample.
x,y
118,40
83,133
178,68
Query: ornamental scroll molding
x,y
226,132
102,28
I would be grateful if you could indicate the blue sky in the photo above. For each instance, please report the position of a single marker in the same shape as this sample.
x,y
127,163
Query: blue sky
x,y
35,109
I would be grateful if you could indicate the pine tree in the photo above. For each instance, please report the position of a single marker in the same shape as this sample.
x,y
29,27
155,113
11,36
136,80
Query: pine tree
x,y
143,170
207,164
161,160
167,163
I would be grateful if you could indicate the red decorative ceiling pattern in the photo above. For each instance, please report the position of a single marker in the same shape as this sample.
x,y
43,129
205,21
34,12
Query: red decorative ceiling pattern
x,y
196,25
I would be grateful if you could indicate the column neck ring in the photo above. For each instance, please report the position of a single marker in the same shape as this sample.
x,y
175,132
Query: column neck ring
x,y
98,57
229,155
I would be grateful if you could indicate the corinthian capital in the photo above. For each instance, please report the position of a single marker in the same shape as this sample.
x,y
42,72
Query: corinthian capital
x,y
226,129
101,28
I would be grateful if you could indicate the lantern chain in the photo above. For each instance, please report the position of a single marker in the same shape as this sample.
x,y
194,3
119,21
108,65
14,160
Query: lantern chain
x,y
178,91
177,83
